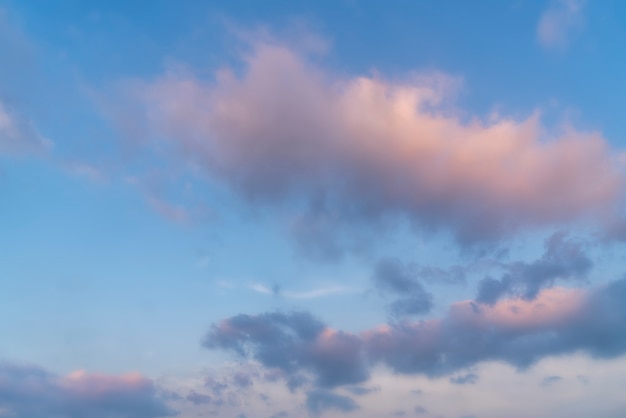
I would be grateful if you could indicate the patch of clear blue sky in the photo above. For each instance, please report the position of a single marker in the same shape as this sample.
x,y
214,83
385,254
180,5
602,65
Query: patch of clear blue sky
x,y
93,277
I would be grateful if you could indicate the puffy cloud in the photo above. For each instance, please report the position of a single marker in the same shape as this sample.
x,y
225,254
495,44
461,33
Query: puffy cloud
x,y
18,136
293,343
559,21
391,276
515,331
319,401
564,258
32,392
361,151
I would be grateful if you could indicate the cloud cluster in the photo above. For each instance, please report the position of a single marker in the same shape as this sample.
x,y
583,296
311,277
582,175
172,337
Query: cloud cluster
x,y
564,258
515,331
362,151
32,392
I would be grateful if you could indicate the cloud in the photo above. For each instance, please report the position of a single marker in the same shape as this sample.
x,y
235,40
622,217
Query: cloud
x,y
17,134
356,154
293,343
242,380
32,392
392,277
306,294
516,331
420,410
362,390
564,258
319,401
559,22
280,414
550,380
467,379
199,398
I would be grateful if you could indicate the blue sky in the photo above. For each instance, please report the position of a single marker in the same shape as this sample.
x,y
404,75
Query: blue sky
x,y
292,209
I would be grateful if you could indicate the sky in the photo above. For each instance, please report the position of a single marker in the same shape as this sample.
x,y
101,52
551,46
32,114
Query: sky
x,y
312,209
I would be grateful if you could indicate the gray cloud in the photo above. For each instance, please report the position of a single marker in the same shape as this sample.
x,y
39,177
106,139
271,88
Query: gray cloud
x,y
361,390
550,380
393,277
216,386
319,401
420,410
564,259
32,392
199,398
242,380
293,343
516,331
467,379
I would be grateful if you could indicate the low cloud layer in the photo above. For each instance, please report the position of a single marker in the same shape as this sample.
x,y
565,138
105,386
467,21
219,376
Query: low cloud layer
x,y
516,331
32,392
366,149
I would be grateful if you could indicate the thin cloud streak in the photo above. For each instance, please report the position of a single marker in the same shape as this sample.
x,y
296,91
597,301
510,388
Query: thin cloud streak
x,y
306,294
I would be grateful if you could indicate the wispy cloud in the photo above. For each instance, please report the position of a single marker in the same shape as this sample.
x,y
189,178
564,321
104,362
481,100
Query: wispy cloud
x,y
559,22
304,294
18,135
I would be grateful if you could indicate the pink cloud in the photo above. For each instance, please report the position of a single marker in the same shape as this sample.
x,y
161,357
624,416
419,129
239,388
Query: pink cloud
x,y
34,392
372,148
